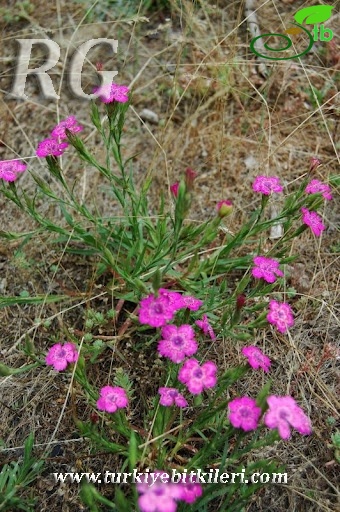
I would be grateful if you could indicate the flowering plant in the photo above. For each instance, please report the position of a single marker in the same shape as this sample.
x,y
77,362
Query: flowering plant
x,y
175,309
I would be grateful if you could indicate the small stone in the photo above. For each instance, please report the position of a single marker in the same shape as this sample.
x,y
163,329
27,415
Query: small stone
x,y
149,115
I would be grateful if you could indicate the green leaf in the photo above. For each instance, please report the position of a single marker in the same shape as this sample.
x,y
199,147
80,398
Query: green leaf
x,y
314,14
335,180
262,396
133,451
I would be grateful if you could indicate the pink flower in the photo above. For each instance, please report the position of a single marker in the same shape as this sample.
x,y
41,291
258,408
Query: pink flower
x,y
316,186
206,327
156,311
60,355
112,398
280,315
10,168
197,377
175,298
283,413
267,184
69,123
256,358
266,268
177,342
112,92
244,413
49,147
160,496
191,491
224,208
191,302
313,220
171,396
174,188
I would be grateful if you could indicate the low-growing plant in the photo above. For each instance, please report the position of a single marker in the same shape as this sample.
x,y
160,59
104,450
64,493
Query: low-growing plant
x,y
15,476
185,287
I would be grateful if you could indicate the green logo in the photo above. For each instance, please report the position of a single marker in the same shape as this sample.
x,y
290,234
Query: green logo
x,y
308,15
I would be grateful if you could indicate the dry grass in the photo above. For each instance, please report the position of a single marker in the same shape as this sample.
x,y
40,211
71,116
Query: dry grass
x,y
218,115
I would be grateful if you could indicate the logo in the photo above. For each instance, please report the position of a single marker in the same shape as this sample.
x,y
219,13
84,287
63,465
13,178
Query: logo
x,y
308,15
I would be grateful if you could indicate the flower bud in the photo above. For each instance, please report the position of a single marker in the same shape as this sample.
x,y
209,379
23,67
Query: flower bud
x,y
240,302
224,208
314,163
174,188
190,176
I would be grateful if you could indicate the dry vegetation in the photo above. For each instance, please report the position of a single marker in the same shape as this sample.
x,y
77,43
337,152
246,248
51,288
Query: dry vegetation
x,y
192,66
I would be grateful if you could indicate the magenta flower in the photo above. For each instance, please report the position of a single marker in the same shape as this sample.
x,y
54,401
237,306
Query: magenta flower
x,y
256,358
112,398
313,220
197,377
206,327
316,186
224,208
10,168
60,355
191,302
267,184
266,268
70,123
191,491
50,147
177,342
283,413
171,396
244,413
160,496
175,298
112,92
156,311
174,188
281,315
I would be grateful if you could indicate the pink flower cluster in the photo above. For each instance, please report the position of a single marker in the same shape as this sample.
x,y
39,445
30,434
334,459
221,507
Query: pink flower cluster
x,y
53,146
178,342
283,413
111,398
9,169
163,495
157,311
